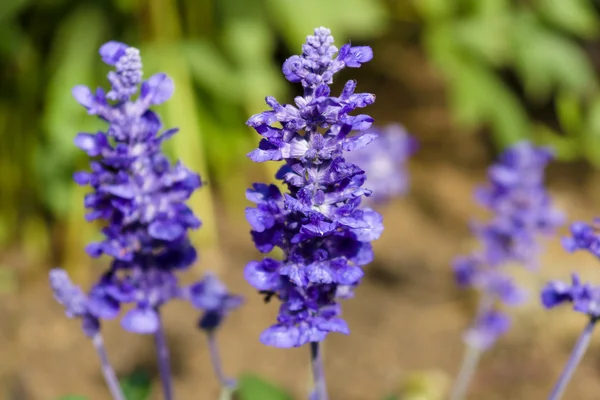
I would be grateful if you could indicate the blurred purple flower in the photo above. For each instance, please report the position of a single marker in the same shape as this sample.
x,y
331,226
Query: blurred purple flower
x,y
522,210
384,162
211,296
324,235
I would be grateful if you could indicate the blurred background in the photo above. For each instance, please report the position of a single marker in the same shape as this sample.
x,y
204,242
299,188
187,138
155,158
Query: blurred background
x,y
465,77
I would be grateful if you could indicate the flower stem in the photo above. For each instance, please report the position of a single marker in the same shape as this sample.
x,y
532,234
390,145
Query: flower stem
x,y
164,363
320,386
576,355
107,370
226,383
471,358
467,371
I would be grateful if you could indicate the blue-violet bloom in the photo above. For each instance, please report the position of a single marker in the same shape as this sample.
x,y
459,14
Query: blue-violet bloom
x,y
384,162
137,192
324,235
522,210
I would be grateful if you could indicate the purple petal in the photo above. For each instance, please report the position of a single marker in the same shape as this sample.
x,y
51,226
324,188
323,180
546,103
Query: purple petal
x,y
158,89
83,95
166,230
141,320
112,51
281,336
88,142
263,275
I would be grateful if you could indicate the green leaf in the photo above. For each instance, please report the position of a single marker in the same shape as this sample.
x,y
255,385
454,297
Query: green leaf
x,y
347,19
566,147
254,388
479,97
435,9
137,386
546,60
74,60
72,397
8,9
569,112
576,16
211,71
591,135
391,397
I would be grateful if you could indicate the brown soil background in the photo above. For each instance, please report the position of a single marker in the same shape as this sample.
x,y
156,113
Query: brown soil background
x,y
407,315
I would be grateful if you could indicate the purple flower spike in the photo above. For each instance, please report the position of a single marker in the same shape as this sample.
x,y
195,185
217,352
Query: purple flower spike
x,y
384,161
139,194
318,223
522,211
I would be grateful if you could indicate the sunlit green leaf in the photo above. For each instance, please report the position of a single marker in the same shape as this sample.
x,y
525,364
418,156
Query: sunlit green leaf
x,y
73,62
479,97
254,388
8,9
591,134
361,18
569,112
211,71
435,9
576,16
137,386
546,60
566,147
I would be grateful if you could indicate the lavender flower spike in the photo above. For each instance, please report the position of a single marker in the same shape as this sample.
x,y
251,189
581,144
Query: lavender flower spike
x,y
211,296
324,235
384,162
522,211
76,305
584,298
139,195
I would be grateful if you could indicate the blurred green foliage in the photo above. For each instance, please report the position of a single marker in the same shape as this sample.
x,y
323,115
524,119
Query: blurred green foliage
x,y
505,62
478,43
222,55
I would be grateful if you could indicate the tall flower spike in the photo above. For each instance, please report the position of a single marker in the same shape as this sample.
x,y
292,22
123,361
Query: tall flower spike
x,y
384,162
583,297
140,196
522,210
324,235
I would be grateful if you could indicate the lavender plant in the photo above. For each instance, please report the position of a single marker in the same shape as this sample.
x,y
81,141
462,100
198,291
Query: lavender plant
x,y
384,162
141,197
522,210
584,297
324,234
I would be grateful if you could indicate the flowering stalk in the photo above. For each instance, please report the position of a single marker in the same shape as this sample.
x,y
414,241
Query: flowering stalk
x,y
77,305
107,371
142,198
584,297
320,384
324,235
164,362
522,210
576,356
211,296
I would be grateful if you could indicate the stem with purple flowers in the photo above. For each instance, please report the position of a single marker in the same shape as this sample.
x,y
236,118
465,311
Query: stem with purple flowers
x,y
107,370
576,356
